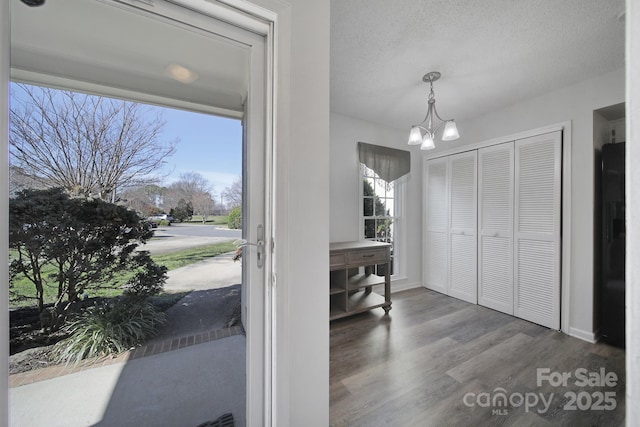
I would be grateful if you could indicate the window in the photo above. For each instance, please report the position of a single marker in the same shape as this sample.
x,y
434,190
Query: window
x,y
381,214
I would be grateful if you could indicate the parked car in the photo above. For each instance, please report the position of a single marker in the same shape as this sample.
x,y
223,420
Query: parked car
x,y
161,217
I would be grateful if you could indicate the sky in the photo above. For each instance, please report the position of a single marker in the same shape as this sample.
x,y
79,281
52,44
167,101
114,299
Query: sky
x,y
209,145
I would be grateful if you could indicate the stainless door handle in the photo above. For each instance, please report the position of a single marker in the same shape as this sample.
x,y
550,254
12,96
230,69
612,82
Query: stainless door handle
x,y
259,245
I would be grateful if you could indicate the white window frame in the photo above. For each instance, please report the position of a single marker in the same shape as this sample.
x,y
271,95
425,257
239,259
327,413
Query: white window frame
x,y
399,238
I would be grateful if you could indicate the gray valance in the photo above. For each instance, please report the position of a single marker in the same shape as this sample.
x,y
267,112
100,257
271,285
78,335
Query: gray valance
x,y
388,163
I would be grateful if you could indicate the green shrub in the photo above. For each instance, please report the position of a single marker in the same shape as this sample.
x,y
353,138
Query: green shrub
x,y
109,328
235,218
183,211
164,223
75,245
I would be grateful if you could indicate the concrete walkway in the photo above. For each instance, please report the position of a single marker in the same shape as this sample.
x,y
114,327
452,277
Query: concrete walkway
x,y
183,387
167,243
213,273
200,311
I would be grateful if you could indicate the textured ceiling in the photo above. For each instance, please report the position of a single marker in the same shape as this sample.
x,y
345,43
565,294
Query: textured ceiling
x,y
491,53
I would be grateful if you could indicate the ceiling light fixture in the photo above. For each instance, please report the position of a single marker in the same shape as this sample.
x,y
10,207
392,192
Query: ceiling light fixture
x,y
450,131
181,74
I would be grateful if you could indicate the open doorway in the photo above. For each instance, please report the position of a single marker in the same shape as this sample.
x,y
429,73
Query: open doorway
x,y
126,83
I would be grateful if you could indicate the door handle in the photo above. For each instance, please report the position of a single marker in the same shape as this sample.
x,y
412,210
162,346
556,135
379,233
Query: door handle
x,y
259,246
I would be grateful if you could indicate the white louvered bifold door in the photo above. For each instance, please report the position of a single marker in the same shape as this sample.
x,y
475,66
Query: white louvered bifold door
x,y
436,227
537,229
495,227
463,274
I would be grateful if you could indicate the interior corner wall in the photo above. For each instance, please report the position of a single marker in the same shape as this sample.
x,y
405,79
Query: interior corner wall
x,y
345,133
632,402
302,216
574,103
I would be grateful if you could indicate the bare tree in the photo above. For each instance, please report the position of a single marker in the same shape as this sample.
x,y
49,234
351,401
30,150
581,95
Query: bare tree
x,y
203,204
233,194
194,188
86,144
192,182
19,180
145,199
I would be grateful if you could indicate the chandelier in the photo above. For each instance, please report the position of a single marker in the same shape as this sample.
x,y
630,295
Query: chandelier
x,y
424,133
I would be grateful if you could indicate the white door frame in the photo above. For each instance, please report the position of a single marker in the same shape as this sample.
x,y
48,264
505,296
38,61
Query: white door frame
x,y
260,398
5,67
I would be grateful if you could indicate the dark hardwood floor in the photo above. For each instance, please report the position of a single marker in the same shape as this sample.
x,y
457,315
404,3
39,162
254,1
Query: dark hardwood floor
x,y
438,361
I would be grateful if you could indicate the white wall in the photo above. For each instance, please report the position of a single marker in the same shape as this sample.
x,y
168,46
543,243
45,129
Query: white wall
x,y
302,209
346,132
633,213
576,104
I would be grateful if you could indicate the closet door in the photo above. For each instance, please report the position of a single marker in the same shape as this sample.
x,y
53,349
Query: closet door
x,y
537,229
463,192
436,225
495,227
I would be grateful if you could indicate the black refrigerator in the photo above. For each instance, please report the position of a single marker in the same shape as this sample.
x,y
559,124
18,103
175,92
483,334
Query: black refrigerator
x,y
612,293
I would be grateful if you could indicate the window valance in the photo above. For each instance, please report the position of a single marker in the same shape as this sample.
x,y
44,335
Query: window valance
x,y
388,163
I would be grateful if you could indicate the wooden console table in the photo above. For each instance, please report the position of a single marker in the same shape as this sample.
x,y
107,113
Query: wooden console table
x,y
352,276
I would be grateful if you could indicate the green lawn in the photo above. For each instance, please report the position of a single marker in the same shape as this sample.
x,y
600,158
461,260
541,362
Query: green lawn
x,y
22,292
184,257
22,287
211,219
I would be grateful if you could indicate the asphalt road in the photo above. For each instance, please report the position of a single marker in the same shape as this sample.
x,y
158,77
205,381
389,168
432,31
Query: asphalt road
x,y
181,236
198,230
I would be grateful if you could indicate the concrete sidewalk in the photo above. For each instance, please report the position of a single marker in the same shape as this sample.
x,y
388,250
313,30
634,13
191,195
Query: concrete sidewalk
x,y
213,273
183,387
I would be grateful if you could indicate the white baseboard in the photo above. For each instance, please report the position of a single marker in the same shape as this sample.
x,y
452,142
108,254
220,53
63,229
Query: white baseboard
x,y
591,337
404,286
397,287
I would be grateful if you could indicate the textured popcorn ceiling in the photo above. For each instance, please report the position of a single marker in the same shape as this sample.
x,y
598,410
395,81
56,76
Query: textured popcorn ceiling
x,y
491,53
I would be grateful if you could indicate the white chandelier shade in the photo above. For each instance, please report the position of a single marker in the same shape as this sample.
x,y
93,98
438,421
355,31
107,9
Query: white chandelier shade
x,y
423,134
427,142
415,137
450,131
